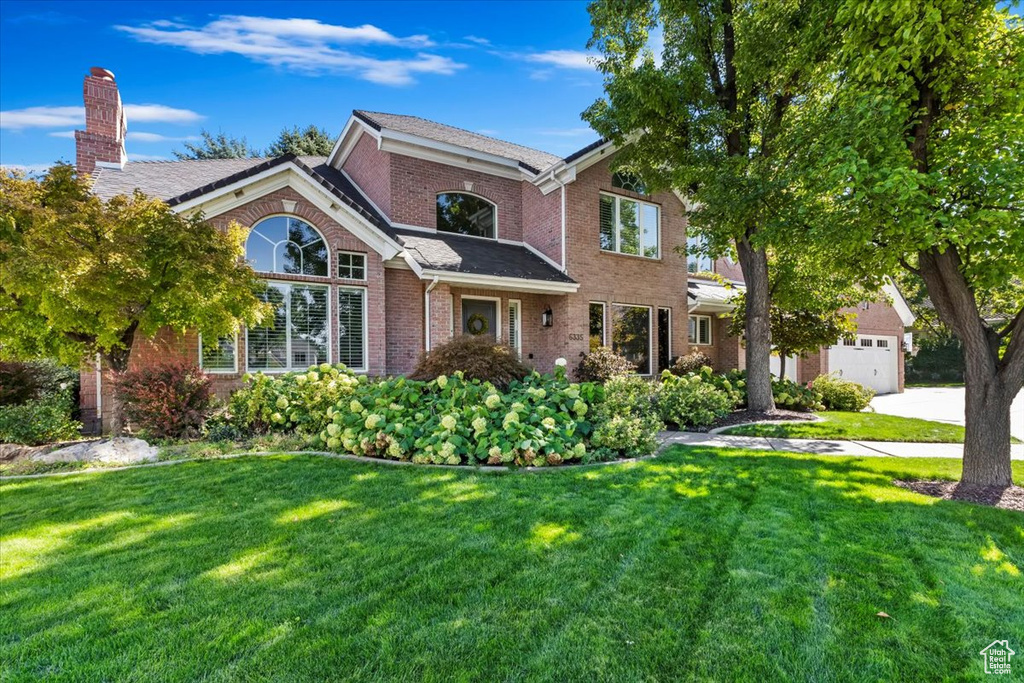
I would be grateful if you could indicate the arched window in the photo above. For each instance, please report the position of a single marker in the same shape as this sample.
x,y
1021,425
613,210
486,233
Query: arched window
x,y
287,245
465,214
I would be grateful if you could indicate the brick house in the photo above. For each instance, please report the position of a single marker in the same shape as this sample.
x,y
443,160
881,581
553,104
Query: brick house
x,y
411,232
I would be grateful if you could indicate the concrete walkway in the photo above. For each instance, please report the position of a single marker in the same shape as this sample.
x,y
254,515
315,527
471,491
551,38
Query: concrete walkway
x,y
823,447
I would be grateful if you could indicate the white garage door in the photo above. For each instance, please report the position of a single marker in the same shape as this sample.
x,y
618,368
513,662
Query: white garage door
x,y
870,360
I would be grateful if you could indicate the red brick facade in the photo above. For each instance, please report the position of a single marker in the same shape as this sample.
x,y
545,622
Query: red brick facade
x,y
370,170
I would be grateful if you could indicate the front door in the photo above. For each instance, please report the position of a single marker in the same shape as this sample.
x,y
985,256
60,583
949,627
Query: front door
x,y
480,317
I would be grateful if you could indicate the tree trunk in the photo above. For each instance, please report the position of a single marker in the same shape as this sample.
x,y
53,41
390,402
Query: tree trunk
x,y
782,366
990,382
987,440
117,361
757,327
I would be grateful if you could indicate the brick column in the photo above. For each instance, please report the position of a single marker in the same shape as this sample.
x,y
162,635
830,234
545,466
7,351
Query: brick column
x,y
813,365
440,314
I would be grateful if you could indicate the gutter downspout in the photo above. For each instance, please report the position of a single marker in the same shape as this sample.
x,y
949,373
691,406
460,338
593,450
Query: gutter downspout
x,y
426,310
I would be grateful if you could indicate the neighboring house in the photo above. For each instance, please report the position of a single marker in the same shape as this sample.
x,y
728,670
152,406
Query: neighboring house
x,y
411,232
873,356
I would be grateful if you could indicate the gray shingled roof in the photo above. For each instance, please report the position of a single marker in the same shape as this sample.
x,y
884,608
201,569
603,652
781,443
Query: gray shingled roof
x,y
533,159
165,179
474,256
712,292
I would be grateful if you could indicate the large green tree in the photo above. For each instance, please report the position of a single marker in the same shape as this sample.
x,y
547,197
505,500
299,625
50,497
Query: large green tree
x,y
219,146
714,116
921,145
80,276
308,141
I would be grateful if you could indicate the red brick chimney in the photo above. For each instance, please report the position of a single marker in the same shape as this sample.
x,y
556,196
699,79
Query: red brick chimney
x,y
102,141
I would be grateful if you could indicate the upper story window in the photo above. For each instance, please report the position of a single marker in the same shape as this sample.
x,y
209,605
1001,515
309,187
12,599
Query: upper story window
x,y
625,180
466,214
696,262
287,245
629,226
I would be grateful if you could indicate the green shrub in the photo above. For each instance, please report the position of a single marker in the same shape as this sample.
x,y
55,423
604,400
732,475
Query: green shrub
x,y
691,401
842,394
169,401
541,420
627,422
602,364
25,381
787,393
691,362
39,421
293,401
476,358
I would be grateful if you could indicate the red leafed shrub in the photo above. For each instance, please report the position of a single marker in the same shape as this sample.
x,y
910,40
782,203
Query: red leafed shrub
x,y
166,401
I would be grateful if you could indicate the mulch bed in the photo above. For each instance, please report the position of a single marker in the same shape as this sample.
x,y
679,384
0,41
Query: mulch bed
x,y
738,417
1008,498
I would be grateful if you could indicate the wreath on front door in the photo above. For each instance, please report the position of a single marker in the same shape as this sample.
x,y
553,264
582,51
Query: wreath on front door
x,y
476,325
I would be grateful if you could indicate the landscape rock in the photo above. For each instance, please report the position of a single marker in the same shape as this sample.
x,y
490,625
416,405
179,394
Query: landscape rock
x,y
121,450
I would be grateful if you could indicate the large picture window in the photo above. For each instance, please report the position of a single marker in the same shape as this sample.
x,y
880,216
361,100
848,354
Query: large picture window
x,y
300,335
465,214
631,335
352,327
629,226
284,244
596,325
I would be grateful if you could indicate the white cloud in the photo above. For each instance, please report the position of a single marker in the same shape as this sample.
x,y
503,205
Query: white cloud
x,y
139,136
477,39
42,117
69,134
305,45
159,113
564,59
58,117
146,157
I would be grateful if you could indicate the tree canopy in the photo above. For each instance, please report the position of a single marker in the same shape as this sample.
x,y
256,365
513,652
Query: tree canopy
x,y
219,146
918,150
80,276
309,141
716,115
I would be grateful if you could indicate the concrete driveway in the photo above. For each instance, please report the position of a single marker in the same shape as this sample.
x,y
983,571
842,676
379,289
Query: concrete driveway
x,y
941,405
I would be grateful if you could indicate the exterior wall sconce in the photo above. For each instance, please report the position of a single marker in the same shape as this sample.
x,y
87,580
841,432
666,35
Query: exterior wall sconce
x,y
546,317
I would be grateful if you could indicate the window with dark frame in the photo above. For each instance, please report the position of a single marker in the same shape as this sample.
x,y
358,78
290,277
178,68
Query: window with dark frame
x,y
631,335
596,325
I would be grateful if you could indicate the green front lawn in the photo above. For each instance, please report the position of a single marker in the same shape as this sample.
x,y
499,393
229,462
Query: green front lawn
x,y
859,426
702,564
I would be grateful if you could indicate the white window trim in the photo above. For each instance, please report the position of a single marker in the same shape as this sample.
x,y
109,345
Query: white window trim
x,y
618,248
218,371
669,309
604,322
497,310
366,267
274,253
366,326
650,335
516,343
697,342
288,339
494,204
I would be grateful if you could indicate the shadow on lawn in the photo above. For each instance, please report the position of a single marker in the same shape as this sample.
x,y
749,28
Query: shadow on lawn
x,y
703,563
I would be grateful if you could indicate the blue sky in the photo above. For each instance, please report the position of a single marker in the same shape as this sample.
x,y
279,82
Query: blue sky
x,y
515,70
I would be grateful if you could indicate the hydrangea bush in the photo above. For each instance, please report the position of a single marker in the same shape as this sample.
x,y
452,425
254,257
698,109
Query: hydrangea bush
x,y
541,420
293,401
691,401
842,394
